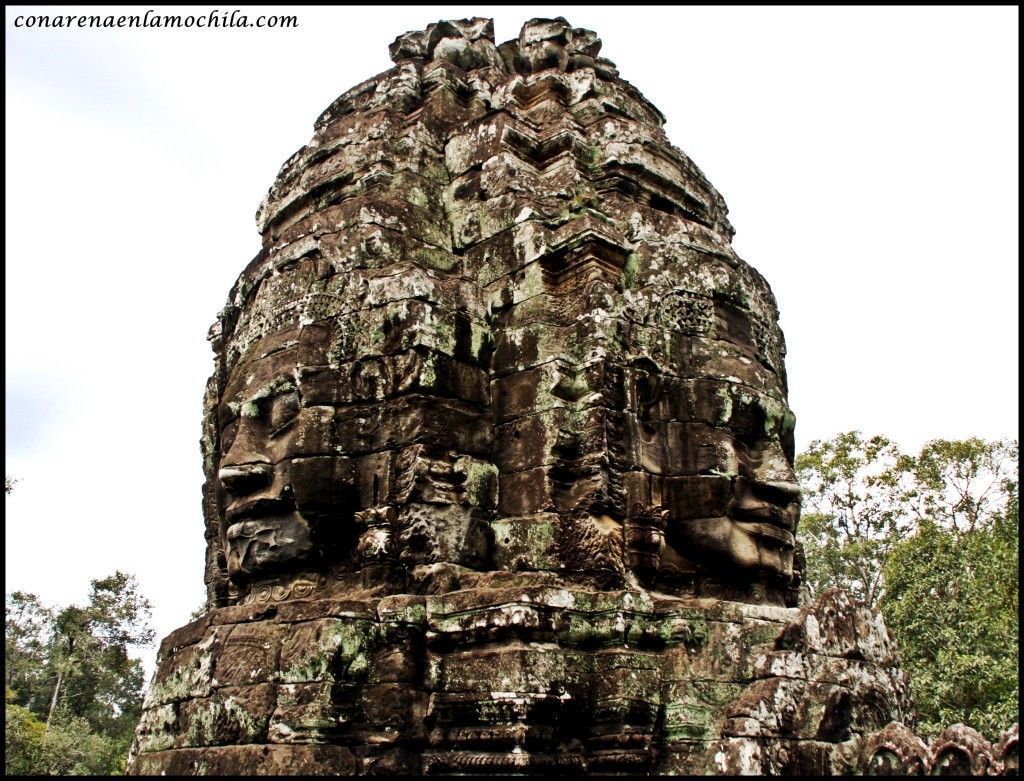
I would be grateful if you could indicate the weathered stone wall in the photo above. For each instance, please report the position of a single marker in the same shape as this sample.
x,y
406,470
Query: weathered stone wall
x,y
499,462
511,678
522,678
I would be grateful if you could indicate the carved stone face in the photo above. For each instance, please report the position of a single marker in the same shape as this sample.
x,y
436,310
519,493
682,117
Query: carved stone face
x,y
710,436
740,512
287,498
512,340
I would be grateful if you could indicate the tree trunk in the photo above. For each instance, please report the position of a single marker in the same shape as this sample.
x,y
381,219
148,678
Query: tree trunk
x,y
53,700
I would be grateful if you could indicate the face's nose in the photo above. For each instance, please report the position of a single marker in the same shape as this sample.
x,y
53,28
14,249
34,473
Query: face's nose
x,y
773,479
244,468
243,478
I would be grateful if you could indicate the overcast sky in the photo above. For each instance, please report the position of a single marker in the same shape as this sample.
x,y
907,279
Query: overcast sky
x,y
869,158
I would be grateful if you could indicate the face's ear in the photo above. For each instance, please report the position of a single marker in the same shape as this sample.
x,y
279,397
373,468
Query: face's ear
x,y
794,594
217,583
787,434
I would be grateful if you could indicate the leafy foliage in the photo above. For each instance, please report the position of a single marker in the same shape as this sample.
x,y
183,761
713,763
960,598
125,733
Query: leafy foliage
x,y
68,748
26,639
953,604
932,541
23,740
963,484
70,671
853,514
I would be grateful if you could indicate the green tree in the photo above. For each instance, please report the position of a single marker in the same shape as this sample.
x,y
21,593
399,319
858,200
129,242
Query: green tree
x,y
963,484
77,675
23,740
67,748
94,674
952,604
932,541
27,628
200,611
953,588
853,512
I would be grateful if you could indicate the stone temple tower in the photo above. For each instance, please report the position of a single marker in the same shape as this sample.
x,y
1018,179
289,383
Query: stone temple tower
x,y
499,462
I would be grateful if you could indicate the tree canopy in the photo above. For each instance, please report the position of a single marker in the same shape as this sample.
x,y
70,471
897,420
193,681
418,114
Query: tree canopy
x,y
73,689
932,541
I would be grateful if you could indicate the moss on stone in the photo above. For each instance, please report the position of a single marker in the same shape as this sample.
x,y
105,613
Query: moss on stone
x,y
630,272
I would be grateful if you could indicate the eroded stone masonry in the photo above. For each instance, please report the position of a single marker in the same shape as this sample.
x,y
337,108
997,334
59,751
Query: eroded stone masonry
x,y
499,463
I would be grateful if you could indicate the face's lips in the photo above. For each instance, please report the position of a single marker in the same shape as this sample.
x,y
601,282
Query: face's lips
x,y
771,523
242,529
251,530
256,507
267,543
763,513
770,533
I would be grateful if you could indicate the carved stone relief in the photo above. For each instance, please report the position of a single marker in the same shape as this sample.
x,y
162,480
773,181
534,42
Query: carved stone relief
x,y
499,462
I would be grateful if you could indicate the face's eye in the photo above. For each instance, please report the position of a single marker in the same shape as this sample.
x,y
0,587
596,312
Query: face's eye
x,y
227,436
787,424
227,423
787,429
747,421
283,410
717,457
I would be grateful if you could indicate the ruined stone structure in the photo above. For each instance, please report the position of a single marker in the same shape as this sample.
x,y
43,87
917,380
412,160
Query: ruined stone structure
x,y
499,461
